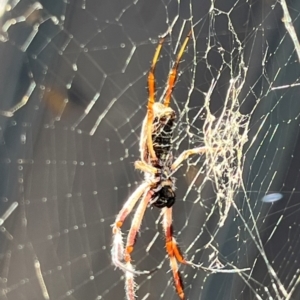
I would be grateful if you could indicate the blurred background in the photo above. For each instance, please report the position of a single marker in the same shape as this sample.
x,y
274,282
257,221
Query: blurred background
x,y
73,82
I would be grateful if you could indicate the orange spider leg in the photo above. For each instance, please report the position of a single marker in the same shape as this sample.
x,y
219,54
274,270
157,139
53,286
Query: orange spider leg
x,y
117,250
151,89
173,73
131,239
128,206
173,251
136,224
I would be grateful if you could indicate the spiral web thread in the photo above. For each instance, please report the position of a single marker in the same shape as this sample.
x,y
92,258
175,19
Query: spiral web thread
x,y
73,100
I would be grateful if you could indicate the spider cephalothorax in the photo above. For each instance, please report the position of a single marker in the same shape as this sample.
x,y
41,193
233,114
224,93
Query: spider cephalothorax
x,y
158,165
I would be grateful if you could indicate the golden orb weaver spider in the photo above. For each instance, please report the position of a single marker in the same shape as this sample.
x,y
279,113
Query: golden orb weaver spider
x,y
157,189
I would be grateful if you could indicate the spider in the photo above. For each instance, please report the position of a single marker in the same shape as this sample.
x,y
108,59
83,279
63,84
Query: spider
x,y
158,164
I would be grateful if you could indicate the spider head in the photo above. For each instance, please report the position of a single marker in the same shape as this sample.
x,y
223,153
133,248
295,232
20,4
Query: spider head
x,y
165,197
163,114
164,120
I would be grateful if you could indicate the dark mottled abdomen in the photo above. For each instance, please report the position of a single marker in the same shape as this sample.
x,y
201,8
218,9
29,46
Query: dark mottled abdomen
x,y
166,197
162,138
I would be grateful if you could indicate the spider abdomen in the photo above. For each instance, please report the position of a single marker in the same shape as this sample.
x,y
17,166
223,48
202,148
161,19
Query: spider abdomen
x,y
162,136
165,197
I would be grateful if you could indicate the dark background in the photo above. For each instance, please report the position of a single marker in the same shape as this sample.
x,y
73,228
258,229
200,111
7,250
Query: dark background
x,y
89,61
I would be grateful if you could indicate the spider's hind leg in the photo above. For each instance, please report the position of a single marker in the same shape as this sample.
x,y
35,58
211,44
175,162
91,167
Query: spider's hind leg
x,y
117,250
136,224
173,251
131,239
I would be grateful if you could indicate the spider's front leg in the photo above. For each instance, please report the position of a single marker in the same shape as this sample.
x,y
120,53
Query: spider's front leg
x,y
151,101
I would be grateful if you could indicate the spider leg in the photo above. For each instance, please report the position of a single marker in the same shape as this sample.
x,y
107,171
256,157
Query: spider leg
x,y
136,224
151,89
173,73
117,250
144,167
131,239
185,154
173,251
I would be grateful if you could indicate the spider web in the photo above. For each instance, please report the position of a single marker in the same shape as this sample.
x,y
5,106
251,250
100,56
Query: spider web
x,y
73,97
